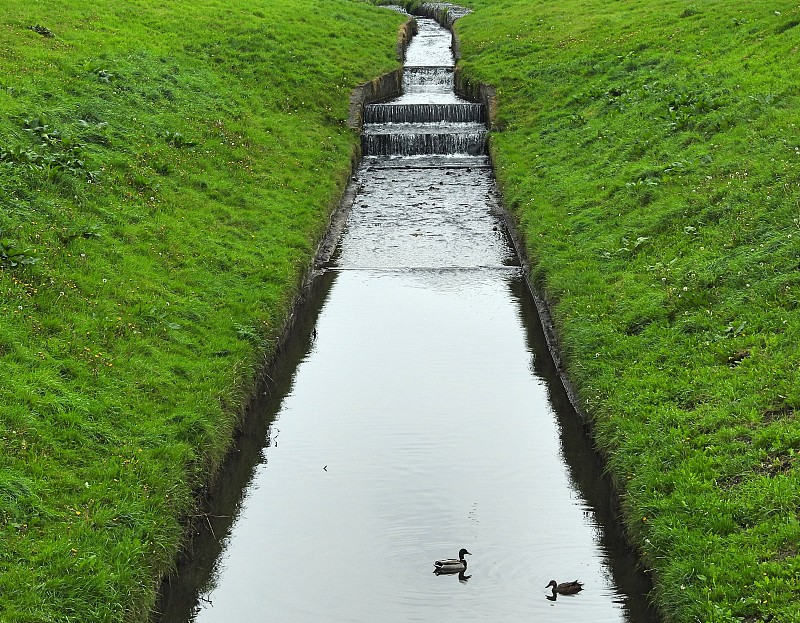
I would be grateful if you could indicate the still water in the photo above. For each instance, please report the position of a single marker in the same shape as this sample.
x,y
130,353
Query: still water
x,y
417,412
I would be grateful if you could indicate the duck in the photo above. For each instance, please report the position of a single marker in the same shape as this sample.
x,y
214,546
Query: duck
x,y
565,588
452,565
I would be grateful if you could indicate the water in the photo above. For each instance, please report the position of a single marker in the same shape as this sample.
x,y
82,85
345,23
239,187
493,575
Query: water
x,y
416,412
409,113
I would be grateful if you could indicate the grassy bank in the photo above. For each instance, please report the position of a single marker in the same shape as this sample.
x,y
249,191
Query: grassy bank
x,y
651,151
165,175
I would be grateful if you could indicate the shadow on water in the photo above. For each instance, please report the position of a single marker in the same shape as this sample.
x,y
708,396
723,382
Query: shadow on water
x,y
182,593
586,468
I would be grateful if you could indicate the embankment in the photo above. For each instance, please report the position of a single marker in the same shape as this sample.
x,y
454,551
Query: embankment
x,y
167,174
650,154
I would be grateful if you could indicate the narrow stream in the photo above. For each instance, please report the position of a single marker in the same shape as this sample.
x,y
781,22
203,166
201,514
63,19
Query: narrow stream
x,y
417,412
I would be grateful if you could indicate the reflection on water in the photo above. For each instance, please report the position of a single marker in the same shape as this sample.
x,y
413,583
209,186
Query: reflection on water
x,y
416,411
415,425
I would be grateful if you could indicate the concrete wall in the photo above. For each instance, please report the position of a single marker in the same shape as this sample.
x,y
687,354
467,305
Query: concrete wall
x,y
446,14
385,87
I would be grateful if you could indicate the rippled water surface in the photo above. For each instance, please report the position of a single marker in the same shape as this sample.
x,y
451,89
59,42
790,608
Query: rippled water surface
x,y
419,415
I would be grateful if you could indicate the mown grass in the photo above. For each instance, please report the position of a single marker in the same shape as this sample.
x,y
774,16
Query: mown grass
x,y
651,152
166,172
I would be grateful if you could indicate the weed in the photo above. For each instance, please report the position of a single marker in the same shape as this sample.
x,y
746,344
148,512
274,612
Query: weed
x,y
83,232
176,139
11,256
247,333
43,30
764,100
54,153
104,76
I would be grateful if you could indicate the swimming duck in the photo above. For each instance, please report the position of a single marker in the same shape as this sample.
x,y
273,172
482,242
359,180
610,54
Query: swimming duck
x,y
566,588
452,565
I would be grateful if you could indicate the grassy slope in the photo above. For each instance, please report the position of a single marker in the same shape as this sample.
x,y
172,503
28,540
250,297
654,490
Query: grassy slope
x,y
171,168
651,151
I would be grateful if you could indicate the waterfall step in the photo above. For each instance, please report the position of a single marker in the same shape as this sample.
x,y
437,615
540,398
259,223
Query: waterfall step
x,y
434,141
410,113
422,79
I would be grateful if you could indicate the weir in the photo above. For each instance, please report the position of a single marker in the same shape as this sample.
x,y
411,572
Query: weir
x,y
413,140
427,120
417,411
435,113
427,80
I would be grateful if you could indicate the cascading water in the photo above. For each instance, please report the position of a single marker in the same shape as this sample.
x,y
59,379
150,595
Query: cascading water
x,y
422,414
428,80
416,139
428,113
428,119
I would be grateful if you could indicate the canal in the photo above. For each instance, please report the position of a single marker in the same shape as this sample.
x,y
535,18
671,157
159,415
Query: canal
x,y
417,411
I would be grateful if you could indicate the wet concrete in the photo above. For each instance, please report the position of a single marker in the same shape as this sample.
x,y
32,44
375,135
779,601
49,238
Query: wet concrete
x,y
417,411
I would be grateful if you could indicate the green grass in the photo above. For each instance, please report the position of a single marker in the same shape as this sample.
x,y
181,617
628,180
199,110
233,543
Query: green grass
x,y
166,172
651,152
